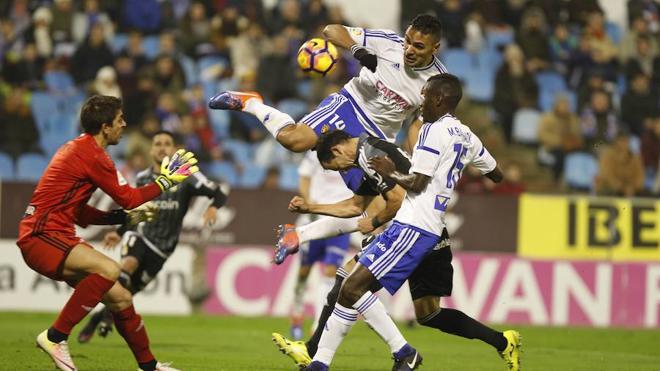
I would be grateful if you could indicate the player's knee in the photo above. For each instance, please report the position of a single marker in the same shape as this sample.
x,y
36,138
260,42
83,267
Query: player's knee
x,y
110,270
351,291
333,295
426,308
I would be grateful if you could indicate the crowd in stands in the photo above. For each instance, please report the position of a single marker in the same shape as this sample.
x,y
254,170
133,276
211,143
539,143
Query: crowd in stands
x,y
566,99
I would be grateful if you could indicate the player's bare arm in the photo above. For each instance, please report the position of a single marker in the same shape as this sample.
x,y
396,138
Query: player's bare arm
x,y
411,138
338,35
414,182
351,207
393,199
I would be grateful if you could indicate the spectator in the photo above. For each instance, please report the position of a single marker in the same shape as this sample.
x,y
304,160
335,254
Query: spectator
x,y
19,14
645,61
61,27
165,76
651,148
106,83
647,9
11,42
84,22
563,46
135,51
315,15
143,15
245,50
126,78
471,182
19,132
452,16
276,79
559,134
515,87
287,16
26,69
196,32
91,56
139,141
621,172
599,41
638,27
599,122
39,32
272,179
533,40
638,104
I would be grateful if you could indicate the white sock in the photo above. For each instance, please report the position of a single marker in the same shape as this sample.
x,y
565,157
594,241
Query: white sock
x,y
376,316
273,119
340,322
298,298
326,227
325,285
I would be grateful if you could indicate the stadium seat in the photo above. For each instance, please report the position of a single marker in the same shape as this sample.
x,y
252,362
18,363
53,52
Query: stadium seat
x,y
547,99
58,81
189,70
151,46
220,123
289,177
252,176
6,166
459,62
580,169
499,38
241,151
549,80
43,106
613,31
480,84
224,170
296,108
526,126
30,166
118,43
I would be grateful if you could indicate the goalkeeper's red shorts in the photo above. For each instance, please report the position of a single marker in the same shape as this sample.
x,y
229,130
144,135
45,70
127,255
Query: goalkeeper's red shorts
x,y
45,253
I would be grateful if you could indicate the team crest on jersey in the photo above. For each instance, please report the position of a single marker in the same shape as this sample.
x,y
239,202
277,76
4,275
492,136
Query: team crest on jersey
x,y
396,65
325,128
356,31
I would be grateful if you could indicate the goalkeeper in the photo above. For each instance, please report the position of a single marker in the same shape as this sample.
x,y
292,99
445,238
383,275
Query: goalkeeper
x,y
146,247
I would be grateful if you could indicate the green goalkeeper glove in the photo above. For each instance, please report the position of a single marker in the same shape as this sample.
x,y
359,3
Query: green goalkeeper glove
x,y
175,170
147,212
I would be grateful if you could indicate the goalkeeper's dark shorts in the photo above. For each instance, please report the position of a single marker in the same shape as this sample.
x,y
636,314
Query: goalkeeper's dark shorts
x,y
150,262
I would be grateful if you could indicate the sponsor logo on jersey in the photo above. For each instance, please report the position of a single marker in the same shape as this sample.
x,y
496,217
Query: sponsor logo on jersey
x,y
391,96
325,128
166,204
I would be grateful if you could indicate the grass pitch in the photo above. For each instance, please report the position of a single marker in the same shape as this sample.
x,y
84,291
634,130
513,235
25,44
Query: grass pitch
x,y
202,342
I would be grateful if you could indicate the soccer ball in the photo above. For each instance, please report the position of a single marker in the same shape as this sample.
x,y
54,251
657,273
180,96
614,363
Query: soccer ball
x,y
317,57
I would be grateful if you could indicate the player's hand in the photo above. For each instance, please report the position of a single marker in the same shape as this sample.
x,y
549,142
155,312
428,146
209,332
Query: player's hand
x,y
147,212
176,169
210,216
365,225
298,205
111,239
382,165
364,57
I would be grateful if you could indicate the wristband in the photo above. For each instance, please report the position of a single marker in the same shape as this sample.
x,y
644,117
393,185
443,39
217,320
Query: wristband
x,y
375,222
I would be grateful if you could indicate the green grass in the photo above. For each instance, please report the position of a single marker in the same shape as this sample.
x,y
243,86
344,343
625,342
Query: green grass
x,y
203,342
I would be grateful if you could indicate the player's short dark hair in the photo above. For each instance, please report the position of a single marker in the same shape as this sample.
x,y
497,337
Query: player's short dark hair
x,y
428,25
327,141
98,110
175,138
447,85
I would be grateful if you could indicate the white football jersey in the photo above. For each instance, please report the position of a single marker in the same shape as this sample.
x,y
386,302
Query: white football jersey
x,y
325,186
392,94
442,151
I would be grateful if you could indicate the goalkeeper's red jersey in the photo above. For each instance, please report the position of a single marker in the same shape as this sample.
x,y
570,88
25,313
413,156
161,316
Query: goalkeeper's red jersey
x,y
77,169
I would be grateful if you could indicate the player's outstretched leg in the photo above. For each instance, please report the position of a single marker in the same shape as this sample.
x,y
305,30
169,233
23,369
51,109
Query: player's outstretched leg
x,y
287,243
232,100
58,352
87,332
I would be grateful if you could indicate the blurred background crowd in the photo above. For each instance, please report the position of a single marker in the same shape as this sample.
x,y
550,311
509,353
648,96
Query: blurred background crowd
x,y
566,99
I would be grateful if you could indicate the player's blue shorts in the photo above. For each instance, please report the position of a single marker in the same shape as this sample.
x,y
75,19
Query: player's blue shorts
x,y
329,251
339,111
395,254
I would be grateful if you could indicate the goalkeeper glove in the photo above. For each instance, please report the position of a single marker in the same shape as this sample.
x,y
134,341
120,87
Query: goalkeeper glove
x,y
175,170
147,212
366,59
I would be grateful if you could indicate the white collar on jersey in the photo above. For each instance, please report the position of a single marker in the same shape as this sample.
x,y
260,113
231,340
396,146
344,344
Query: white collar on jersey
x,y
433,63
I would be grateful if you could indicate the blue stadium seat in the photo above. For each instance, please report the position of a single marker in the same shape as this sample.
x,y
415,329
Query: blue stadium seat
x,y
458,62
580,169
118,43
151,46
526,126
252,176
59,81
613,31
547,99
490,59
30,166
220,122
43,106
6,166
497,38
549,80
224,170
189,70
243,152
296,108
289,177
480,84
